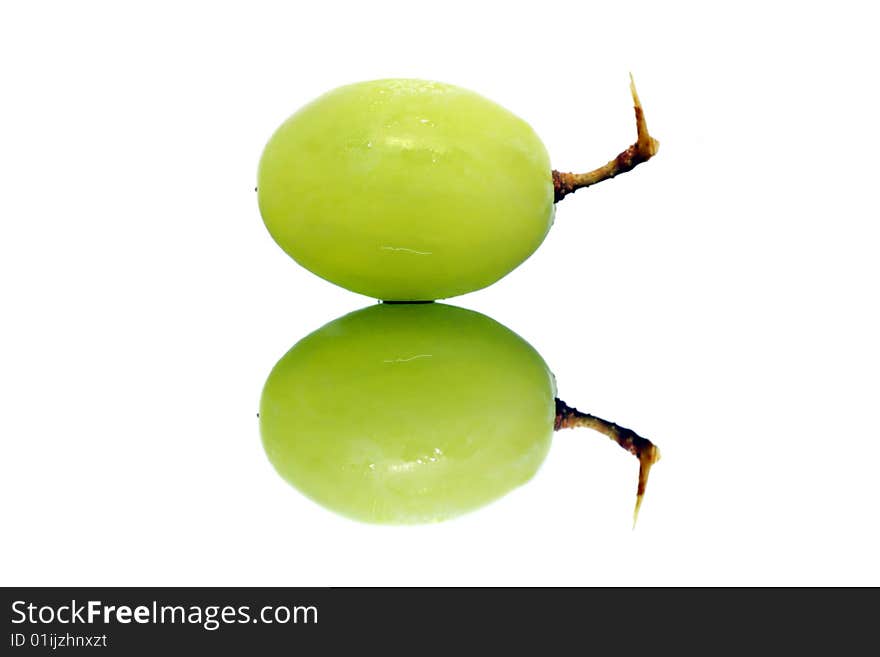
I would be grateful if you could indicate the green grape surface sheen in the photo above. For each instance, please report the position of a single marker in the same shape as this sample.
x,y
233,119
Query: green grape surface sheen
x,y
406,189
408,413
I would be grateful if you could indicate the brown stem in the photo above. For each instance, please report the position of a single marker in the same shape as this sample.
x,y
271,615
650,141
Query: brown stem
x,y
642,448
642,151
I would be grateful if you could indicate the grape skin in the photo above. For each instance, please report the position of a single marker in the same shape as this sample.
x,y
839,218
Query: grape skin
x,y
408,413
406,189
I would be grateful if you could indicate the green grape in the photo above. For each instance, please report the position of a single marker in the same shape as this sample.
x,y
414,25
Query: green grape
x,y
412,190
410,413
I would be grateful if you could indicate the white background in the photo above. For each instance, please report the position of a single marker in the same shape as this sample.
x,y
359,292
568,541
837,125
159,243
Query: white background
x,y
721,299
